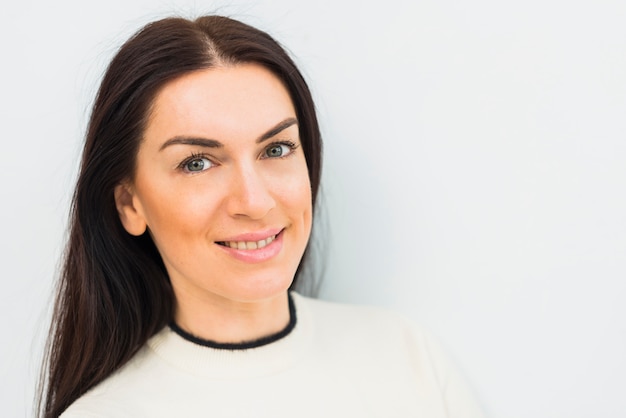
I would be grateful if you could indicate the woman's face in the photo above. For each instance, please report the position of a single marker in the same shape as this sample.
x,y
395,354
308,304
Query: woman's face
x,y
222,185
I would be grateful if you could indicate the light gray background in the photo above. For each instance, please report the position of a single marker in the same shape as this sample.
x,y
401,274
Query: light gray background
x,y
474,176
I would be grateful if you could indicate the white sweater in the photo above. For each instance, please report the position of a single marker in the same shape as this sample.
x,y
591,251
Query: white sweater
x,y
338,361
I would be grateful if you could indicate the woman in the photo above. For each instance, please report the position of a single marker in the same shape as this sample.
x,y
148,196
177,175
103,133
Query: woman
x,y
191,215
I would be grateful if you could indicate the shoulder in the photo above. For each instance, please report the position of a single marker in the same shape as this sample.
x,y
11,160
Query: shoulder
x,y
367,333
372,337
358,321
115,395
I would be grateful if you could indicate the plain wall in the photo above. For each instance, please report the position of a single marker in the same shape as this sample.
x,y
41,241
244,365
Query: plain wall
x,y
474,176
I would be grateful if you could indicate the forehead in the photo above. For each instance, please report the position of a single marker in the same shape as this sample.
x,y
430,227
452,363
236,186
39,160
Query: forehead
x,y
223,102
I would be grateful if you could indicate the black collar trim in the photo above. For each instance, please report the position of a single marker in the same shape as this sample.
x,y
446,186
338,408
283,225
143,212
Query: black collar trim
x,y
243,345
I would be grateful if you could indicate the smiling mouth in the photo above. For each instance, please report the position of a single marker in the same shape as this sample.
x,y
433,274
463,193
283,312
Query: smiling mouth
x,y
248,245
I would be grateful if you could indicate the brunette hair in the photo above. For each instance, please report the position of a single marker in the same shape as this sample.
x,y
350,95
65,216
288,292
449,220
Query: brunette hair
x,y
114,291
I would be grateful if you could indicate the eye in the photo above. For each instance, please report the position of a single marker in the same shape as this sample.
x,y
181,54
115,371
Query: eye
x,y
196,164
279,150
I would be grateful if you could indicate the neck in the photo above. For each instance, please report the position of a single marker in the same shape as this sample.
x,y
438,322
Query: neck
x,y
234,322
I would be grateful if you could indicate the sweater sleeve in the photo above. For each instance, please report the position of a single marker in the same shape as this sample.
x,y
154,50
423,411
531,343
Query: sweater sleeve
x,y
458,398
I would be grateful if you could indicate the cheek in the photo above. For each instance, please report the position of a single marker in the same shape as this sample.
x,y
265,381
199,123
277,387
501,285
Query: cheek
x,y
174,213
295,196
294,189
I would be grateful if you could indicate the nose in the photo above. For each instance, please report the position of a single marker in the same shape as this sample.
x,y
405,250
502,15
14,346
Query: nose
x,y
250,194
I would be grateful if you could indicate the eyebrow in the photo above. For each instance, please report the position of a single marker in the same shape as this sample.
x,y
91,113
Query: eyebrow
x,y
281,126
212,143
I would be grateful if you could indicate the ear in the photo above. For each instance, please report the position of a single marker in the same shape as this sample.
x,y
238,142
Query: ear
x,y
129,209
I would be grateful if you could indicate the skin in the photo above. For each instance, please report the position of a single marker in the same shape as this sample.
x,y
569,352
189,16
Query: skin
x,y
203,177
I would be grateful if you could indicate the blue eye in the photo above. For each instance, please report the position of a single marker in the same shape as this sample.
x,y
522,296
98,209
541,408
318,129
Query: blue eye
x,y
197,164
279,150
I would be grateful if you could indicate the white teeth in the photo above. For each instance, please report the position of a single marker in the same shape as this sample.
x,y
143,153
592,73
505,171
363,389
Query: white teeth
x,y
250,245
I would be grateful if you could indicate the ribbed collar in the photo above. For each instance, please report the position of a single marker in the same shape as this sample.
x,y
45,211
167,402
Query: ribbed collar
x,y
243,345
233,364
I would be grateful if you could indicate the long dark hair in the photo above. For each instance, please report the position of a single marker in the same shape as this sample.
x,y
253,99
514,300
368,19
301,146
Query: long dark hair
x,y
114,292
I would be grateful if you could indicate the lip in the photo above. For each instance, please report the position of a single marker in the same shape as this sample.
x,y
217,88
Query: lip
x,y
258,255
253,236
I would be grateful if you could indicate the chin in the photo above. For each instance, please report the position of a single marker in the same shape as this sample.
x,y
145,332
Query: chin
x,y
262,288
